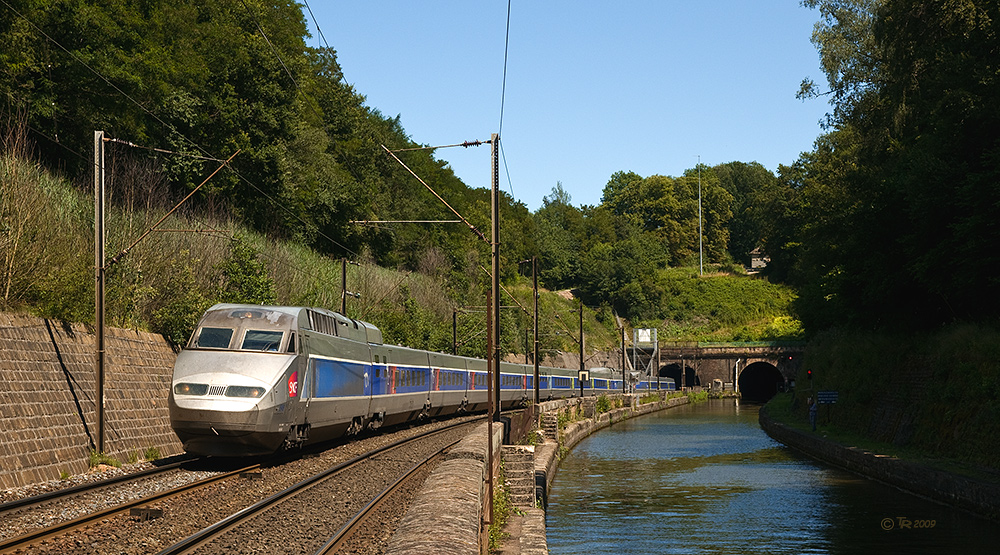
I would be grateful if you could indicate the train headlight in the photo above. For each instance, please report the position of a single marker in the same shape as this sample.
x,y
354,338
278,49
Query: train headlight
x,y
191,389
244,391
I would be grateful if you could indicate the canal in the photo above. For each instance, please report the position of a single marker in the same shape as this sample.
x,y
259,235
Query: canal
x,y
705,478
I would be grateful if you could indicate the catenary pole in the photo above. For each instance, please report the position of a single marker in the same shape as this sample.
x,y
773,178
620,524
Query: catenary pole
x,y
495,252
624,379
99,274
582,367
534,280
701,264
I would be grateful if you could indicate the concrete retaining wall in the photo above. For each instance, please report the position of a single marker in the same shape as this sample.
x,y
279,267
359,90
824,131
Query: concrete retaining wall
x,y
977,496
445,517
47,392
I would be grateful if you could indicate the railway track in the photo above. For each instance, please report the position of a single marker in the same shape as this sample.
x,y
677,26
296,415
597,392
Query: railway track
x,y
61,502
350,531
146,524
303,502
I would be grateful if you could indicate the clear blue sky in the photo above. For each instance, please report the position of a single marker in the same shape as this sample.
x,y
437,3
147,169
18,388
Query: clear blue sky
x,y
593,87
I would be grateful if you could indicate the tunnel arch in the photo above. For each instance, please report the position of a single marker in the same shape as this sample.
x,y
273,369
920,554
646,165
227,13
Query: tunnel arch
x,y
674,370
760,381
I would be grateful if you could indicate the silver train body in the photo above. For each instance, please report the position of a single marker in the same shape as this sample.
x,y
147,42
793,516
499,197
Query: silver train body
x,y
256,379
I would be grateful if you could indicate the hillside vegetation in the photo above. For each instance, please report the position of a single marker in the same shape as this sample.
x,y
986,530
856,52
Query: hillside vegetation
x,y
932,395
167,280
202,82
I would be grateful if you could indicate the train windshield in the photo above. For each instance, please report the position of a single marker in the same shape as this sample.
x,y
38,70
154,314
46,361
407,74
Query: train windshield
x,y
261,340
214,338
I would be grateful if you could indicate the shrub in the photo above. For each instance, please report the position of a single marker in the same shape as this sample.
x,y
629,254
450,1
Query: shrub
x,y
102,458
603,404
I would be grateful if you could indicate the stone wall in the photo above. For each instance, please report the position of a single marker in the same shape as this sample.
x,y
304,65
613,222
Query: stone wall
x,y
47,397
446,515
973,495
440,518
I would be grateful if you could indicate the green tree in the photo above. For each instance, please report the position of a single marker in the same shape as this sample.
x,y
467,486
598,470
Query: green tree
x,y
753,189
244,276
915,101
559,226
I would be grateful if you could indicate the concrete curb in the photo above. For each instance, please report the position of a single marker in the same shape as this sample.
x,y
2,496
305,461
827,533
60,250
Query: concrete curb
x,y
976,496
446,513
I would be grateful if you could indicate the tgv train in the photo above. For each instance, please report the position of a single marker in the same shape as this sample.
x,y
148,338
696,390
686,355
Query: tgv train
x,y
255,379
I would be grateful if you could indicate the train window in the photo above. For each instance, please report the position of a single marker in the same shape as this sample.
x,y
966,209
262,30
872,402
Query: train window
x,y
244,313
261,340
291,343
214,338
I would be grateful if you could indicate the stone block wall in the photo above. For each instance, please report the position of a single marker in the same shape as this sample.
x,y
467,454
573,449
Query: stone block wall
x,y
48,391
970,494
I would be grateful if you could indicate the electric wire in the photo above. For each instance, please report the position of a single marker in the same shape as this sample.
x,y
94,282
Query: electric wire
x,y
236,172
503,96
171,127
273,49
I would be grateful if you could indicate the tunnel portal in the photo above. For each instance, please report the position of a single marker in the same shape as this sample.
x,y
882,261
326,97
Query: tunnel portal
x,y
675,370
760,381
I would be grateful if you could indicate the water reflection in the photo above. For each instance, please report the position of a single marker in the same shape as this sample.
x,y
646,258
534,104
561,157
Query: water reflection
x,y
706,479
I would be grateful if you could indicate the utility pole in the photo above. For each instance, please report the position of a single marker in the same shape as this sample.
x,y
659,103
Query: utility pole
x,y
534,280
493,411
701,264
495,251
657,362
99,277
624,379
343,286
344,293
454,331
582,367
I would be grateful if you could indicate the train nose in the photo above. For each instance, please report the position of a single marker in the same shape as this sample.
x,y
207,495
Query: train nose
x,y
205,432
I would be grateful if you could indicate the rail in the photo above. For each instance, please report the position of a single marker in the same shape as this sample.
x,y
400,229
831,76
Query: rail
x,y
194,541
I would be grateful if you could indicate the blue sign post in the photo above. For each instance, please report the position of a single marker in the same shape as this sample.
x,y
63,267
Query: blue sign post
x,y
827,398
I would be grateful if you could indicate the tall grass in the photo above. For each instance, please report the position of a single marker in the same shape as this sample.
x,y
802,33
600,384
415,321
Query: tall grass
x,y
165,282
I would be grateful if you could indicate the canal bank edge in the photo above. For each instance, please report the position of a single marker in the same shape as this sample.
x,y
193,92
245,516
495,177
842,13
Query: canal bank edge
x,y
976,496
445,515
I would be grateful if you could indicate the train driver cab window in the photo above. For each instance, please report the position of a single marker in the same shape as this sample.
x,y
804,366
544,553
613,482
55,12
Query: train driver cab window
x,y
291,343
261,340
213,338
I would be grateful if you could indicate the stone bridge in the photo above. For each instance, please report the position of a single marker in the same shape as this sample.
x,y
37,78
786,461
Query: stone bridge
x,y
757,369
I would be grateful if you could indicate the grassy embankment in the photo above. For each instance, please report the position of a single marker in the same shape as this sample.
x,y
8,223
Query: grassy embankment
x,y
167,280
723,305
932,398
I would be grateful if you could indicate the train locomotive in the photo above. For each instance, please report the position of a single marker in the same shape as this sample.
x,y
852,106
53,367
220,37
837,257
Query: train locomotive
x,y
257,379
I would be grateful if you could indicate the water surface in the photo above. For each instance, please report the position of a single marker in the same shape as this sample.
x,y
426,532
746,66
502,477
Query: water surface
x,y
705,478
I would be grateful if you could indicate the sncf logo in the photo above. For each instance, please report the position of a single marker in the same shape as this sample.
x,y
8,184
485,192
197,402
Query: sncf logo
x,y
293,384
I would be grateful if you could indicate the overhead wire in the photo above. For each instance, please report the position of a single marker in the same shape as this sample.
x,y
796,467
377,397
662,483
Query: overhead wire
x,y
503,97
171,128
273,49
209,157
